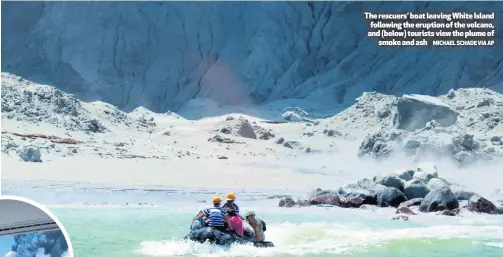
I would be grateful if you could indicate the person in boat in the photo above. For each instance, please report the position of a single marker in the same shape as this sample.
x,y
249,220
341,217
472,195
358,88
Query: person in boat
x,y
215,215
201,222
231,204
257,226
235,224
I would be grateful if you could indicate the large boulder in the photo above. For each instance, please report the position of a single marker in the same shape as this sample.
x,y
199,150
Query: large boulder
x,y
328,199
390,181
353,194
286,202
388,196
239,127
414,111
29,153
439,199
415,188
481,204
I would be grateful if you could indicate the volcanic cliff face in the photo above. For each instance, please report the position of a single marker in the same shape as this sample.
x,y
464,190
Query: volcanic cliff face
x,y
161,54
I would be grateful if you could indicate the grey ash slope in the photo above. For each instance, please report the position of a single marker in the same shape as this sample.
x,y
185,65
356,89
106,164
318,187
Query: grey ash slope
x,y
161,54
465,125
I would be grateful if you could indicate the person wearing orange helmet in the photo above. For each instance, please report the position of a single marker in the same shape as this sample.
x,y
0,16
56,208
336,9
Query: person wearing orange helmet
x,y
231,204
215,215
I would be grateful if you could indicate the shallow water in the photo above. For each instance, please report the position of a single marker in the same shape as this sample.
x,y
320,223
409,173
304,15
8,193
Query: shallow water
x,y
101,225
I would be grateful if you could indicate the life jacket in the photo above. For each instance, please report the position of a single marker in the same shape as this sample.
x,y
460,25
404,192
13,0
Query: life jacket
x,y
215,216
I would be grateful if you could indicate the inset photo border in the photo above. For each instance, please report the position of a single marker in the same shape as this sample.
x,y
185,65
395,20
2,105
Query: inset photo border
x,y
29,229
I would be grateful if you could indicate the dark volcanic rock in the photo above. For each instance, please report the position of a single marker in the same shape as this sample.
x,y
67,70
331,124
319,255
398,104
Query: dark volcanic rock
x,y
388,196
353,202
353,193
438,200
390,181
329,199
415,189
286,202
480,204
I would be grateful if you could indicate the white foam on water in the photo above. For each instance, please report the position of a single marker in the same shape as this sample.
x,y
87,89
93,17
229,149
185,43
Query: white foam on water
x,y
495,244
322,237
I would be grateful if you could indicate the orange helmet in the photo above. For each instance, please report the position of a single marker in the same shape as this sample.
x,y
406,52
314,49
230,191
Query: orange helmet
x,y
230,196
217,199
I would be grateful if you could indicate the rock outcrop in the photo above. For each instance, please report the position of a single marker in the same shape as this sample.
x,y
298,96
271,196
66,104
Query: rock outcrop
x,y
440,127
388,196
435,196
439,200
415,111
326,199
286,202
480,204
390,181
30,154
415,188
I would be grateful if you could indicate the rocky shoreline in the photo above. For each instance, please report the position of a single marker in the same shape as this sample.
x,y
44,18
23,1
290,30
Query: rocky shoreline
x,y
409,191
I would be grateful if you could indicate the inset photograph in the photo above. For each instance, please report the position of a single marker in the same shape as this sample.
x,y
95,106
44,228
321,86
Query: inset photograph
x,y
29,230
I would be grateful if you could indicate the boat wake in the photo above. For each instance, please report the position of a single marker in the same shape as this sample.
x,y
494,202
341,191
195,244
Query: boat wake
x,y
337,239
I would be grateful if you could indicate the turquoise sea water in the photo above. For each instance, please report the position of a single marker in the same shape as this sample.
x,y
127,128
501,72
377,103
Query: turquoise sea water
x,y
100,224
125,232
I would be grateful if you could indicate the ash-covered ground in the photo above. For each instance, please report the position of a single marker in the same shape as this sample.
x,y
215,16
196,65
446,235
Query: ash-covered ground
x,y
48,135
